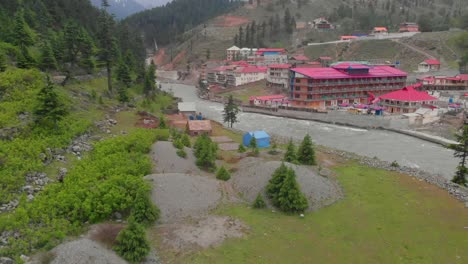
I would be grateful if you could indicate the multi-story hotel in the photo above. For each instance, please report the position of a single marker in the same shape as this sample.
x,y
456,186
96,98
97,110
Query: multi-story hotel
x,y
343,83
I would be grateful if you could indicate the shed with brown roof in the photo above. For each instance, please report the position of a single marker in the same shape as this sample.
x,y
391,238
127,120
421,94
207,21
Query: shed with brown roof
x,y
198,127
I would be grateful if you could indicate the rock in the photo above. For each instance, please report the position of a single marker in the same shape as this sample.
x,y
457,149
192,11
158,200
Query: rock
x,y
30,197
61,174
28,188
24,258
466,204
76,148
60,158
112,121
108,131
117,215
42,156
5,260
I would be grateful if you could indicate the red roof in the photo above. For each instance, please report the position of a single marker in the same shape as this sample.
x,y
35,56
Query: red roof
x,y
325,58
280,66
251,69
313,63
331,73
409,94
300,58
243,63
348,37
463,77
199,125
432,62
380,29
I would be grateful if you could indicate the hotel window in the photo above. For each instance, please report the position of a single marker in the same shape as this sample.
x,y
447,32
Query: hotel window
x,y
298,80
309,96
297,96
309,89
298,88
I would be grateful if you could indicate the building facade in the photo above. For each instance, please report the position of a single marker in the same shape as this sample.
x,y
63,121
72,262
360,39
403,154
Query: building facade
x,y
442,83
232,53
409,27
235,75
343,83
278,75
406,100
429,65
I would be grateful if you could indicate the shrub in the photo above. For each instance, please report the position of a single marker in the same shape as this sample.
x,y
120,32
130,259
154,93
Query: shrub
x,y
177,143
144,211
181,153
306,152
205,151
223,174
185,139
395,164
259,203
253,145
131,243
241,148
290,155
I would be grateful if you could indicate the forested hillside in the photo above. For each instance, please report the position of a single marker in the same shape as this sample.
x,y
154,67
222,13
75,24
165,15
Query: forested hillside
x,y
65,66
164,24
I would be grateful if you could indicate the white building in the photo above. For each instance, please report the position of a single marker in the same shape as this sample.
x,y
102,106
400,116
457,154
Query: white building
x,y
278,75
232,53
235,75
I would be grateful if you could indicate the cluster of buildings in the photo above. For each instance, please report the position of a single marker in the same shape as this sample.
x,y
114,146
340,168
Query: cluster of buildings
x,y
441,83
259,57
188,119
235,74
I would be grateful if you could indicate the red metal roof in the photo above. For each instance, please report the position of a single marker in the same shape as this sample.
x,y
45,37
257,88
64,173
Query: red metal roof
x,y
242,62
432,62
300,58
380,29
280,66
463,77
409,94
251,69
331,73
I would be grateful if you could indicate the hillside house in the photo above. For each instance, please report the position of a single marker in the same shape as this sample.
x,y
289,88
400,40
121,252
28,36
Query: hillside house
x,y
187,108
348,38
321,24
325,61
298,60
278,75
232,53
198,127
267,56
443,83
343,83
429,65
380,31
408,27
406,100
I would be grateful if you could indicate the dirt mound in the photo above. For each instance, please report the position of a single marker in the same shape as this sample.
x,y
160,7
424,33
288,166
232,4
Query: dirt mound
x,y
181,195
84,251
254,173
230,21
164,156
208,232
160,57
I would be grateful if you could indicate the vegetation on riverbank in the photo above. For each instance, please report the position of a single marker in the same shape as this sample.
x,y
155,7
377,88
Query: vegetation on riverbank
x,y
385,216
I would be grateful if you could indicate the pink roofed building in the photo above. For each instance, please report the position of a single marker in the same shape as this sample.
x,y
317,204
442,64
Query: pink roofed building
x,y
406,100
343,83
443,83
269,100
429,65
278,75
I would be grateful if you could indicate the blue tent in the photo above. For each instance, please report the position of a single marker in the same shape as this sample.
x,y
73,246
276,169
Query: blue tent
x,y
263,139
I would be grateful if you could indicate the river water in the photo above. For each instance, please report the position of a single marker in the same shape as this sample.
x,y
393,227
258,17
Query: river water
x,y
385,145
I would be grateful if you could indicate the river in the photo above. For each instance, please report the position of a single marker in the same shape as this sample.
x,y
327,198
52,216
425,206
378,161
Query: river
x,y
385,145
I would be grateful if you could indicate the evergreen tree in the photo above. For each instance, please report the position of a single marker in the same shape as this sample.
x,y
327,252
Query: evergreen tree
x,y
241,148
162,122
287,21
71,43
131,243
231,109
149,85
123,74
259,203
87,51
24,59
50,108
290,155
223,174
461,152
248,36
253,145
205,152
306,152
22,35
290,197
241,37
47,60
236,40
123,94
275,183
144,211
107,42
3,62
208,54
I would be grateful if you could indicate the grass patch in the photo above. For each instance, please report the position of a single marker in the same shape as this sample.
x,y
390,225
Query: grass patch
x,y
384,218
220,130
254,89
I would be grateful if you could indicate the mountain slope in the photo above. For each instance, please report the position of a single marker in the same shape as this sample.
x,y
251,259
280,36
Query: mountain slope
x,y
152,3
121,8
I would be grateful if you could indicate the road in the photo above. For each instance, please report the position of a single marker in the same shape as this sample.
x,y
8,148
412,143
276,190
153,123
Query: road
x,y
385,145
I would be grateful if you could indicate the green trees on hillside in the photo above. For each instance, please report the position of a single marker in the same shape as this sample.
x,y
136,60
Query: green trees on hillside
x,y
47,60
231,109
107,42
461,152
50,108
3,62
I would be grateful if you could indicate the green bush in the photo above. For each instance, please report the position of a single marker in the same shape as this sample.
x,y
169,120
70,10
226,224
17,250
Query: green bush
x,y
241,148
223,174
177,143
205,151
306,152
290,155
144,211
395,164
185,139
259,203
181,153
132,244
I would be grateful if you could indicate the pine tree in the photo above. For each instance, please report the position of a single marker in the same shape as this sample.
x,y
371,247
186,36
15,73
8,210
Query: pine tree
x,y
131,243
24,59
223,174
107,42
144,211
71,43
87,50
3,62
461,152
208,54
50,108
22,35
290,155
287,21
241,148
241,37
149,85
123,74
290,197
47,60
275,183
306,153
253,145
259,203
231,110
123,94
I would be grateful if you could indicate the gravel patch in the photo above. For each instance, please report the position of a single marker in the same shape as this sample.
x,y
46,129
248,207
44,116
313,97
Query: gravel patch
x,y
181,195
208,232
84,251
221,139
165,158
228,146
254,173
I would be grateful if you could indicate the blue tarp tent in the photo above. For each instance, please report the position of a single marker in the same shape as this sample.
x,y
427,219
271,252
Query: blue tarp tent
x,y
263,139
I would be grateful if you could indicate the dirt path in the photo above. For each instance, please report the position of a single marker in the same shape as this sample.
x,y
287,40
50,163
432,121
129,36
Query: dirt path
x,y
415,49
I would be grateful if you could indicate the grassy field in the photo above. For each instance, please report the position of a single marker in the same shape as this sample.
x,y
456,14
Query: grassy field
x,y
384,218
254,89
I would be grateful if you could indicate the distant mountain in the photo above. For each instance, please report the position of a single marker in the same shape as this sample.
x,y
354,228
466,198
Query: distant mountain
x,y
152,3
122,8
